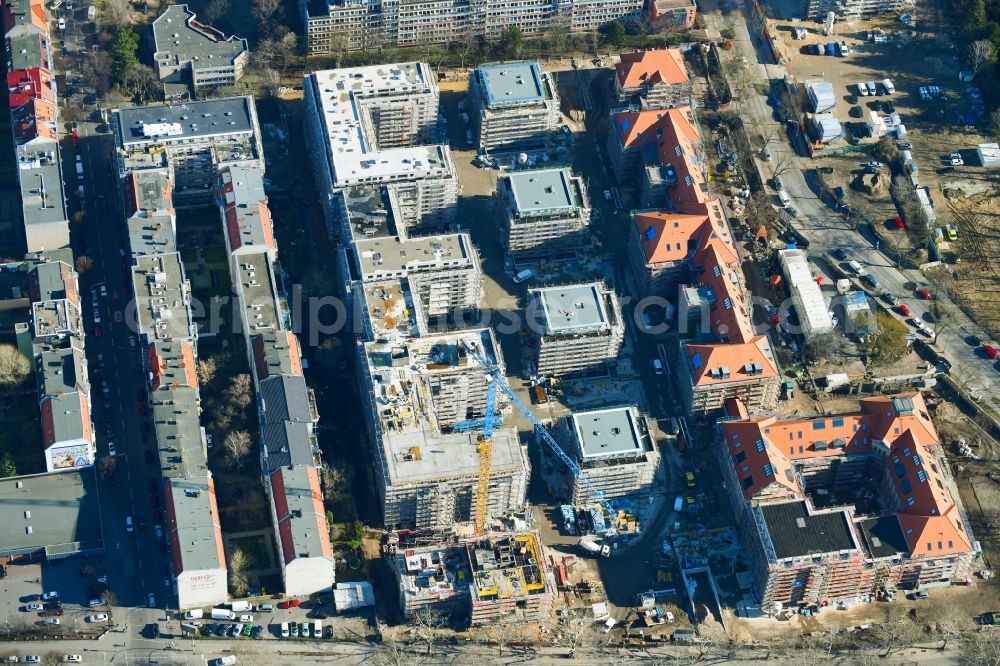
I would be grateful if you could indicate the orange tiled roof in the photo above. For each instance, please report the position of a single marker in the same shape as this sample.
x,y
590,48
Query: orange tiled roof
x,y
651,67
928,515
665,234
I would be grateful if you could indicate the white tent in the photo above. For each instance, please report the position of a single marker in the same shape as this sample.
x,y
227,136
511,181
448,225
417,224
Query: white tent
x,y
989,154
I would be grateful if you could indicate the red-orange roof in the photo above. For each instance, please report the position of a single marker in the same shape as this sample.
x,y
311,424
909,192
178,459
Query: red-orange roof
x,y
651,67
927,513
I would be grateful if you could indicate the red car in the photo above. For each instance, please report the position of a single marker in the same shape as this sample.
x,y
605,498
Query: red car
x,y
291,603
903,310
990,351
925,294
97,331
898,222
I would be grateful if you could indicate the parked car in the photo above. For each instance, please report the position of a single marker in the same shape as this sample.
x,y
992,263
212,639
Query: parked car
x,y
890,298
903,310
897,222
289,603
990,351
48,596
32,608
284,630
904,145
888,107
856,112
987,619
53,612
840,253
925,294
874,164
97,617
839,192
918,596
689,479
294,629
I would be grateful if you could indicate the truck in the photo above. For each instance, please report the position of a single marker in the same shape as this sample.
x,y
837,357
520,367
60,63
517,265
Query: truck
x,y
831,49
79,167
569,519
223,614
592,547
241,606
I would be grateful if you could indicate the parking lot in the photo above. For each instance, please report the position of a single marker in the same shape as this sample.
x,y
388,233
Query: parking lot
x,y
25,583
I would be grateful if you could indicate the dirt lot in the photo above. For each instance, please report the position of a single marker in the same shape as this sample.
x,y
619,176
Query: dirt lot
x,y
978,285
922,60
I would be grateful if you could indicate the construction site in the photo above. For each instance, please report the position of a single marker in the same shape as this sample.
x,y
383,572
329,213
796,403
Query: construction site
x,y
496,577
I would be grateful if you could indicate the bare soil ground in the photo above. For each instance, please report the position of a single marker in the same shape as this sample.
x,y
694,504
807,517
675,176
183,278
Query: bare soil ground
x,y
978,285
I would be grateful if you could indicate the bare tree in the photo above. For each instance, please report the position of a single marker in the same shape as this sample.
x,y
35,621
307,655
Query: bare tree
x,y
983,650
334,480
106,466
84,264
426,622
240,390
96,72
142,83
238,582
504,633
264,11
237,447
109,598
980,53
14,366
114,14
785,165
894,634
391,653
215,10
206,370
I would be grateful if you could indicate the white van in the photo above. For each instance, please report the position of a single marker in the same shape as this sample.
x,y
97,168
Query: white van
x,y
679,503
856,267
784,198
317,629
889,88
241,606
871,88
195,614
228,660
863,89
657,366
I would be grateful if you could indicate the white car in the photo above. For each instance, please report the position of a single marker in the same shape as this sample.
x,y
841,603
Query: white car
x,y
33,607
956,161
295,630
98,617
246,619
284,630
129,527
305,630
31,658
151,600
874,164
48,596
863,89
51,620
73,659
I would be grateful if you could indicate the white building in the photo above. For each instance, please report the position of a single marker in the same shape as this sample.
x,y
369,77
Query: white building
x,y
989,154
578,327
810,305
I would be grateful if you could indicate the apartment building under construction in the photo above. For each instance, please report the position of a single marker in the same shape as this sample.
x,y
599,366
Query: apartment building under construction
x,y
578,327
515,106
543,214
613,448
848,10
840,507
336,26
375,128
414,391
493,578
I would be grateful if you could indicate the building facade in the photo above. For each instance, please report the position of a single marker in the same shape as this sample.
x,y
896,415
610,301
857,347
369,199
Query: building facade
x,y
515,106
543,215
579,329
613,448
336,26
841,508
189,52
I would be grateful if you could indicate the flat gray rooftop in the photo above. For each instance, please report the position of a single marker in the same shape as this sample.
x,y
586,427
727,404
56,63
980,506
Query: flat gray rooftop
x,y
607,432
570,308
161,296
248,220
178,432
62,509
384,257
518,83
197,537
417,457
51,280
178,41
151,190
61,371
151,233
56,317
259,294
304,511
546,191
25,47
796,533
41,183
178,122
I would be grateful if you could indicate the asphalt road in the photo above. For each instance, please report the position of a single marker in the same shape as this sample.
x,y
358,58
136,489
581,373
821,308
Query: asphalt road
x,y
134,561
826,231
